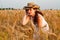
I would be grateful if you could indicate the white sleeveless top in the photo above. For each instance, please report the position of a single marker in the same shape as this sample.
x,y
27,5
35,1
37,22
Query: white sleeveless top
x,y
44,24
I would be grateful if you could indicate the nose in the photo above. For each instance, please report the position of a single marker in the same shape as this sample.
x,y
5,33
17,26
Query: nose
x,y
29,11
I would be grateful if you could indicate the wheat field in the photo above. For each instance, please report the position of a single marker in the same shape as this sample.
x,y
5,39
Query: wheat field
x,y
12,29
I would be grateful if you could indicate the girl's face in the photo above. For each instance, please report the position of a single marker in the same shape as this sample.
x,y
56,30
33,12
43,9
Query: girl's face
x,y
31,12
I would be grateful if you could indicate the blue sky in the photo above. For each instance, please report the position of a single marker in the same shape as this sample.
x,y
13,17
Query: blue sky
x,y
44,4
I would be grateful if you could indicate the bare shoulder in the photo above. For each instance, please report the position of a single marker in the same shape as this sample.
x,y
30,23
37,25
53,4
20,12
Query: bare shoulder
x,y
39,15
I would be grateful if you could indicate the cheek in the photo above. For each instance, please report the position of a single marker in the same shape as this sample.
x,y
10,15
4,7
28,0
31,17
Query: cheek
x,y
32,12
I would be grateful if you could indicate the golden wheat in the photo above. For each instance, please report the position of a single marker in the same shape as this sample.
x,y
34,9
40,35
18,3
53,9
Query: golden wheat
x,y
12,29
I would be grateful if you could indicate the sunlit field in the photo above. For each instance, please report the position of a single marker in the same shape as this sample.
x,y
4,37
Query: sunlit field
x,y
12,29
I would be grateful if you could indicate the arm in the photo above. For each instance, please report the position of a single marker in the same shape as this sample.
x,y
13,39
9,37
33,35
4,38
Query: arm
x,y
43,24
25,19
39,21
